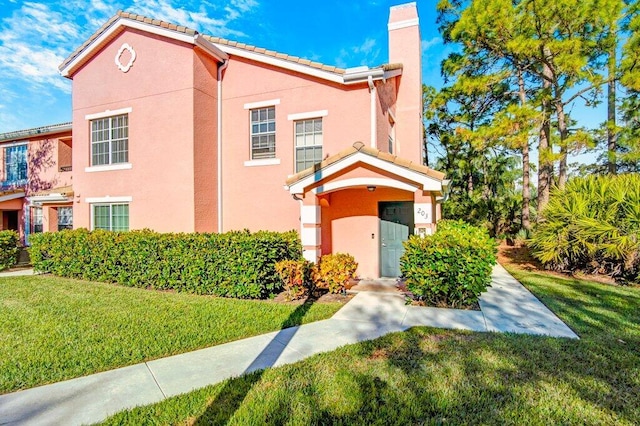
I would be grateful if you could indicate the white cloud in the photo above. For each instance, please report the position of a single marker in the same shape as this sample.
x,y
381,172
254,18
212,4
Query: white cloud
x,y
363,54
36,37
199,20
428,44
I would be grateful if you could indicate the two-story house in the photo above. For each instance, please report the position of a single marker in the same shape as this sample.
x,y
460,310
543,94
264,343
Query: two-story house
x,y
179,131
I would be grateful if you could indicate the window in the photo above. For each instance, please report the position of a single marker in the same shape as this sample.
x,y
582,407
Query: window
x,y
263,133
65,218
112,217
36,219
308,143
15,164
110,140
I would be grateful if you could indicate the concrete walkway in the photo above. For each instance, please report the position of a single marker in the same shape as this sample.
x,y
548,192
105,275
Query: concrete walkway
x,y
506,306
20,272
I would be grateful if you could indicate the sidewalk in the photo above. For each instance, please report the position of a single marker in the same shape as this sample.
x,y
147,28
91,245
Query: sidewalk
x,y
506,307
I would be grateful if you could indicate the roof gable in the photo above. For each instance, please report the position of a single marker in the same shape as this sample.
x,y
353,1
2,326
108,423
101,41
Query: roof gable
x,y
425,177
221,49
123,20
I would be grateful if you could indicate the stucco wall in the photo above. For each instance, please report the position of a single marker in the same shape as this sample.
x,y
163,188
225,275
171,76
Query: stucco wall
x,y
350,225
159,88
254,197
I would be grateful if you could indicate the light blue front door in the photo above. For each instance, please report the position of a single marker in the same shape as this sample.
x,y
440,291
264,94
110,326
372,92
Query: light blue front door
x,y
396,221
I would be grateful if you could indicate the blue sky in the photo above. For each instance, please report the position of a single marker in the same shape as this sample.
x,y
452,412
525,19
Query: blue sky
x,y
35,37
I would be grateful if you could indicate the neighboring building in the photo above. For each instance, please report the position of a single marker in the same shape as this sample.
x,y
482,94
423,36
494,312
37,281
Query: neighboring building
x,y
35,169
179,132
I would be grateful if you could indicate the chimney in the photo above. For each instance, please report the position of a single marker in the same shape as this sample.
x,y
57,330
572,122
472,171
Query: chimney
x,y
405,48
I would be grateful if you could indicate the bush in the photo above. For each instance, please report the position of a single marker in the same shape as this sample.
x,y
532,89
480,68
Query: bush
x,y
9,249
235,264
451,267
592,225
334,271
296,278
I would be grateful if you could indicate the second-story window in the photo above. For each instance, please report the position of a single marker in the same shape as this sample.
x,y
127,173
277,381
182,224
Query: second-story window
x,y
110,140
308,143
15,164
263,133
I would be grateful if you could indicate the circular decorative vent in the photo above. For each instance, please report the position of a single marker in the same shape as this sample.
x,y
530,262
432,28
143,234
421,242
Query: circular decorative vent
x,y
132,57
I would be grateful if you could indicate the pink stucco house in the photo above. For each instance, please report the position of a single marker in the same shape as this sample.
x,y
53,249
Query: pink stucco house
x,y
179,131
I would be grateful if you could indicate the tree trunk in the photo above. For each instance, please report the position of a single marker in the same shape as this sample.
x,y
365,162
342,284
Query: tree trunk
x,y
545,166
612,133
526,195
564,133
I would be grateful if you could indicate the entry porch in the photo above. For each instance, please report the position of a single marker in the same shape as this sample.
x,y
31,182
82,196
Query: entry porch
x,y
366,202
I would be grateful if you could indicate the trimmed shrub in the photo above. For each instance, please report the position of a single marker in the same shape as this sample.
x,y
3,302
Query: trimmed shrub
x,y
593,225
451,267
235,264
334,271
9,249
296,278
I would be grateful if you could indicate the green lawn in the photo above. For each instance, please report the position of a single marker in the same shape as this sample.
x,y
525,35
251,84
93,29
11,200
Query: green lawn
x,y
53,329
432,376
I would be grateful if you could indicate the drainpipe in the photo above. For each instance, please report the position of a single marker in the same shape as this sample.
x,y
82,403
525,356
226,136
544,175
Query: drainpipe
x,y
372,90
221,68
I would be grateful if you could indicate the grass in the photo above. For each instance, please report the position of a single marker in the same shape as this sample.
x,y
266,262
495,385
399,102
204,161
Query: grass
x,y
53,329
432,376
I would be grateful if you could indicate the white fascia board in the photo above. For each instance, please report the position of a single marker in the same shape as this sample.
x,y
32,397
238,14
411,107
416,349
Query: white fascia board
x,y
11,196
125,22
392,73
307,115
202,42
426,182
350,183
108,199
403,24
108,113
281,63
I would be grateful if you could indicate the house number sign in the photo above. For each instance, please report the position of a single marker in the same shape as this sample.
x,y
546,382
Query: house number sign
x,y
422,213
132,57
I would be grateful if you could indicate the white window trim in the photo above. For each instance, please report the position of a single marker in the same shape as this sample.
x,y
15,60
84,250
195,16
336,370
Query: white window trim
x,y
12,144
264,162
108,167
108,113
262,104
307,115
113,200
108,200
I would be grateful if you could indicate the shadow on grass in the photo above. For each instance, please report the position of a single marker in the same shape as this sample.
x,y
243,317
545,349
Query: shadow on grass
x,y
431,376
231,396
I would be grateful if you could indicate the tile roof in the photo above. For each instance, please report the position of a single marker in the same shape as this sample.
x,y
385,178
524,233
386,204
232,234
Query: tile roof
x,y
36,131
360,147
212,39
274,54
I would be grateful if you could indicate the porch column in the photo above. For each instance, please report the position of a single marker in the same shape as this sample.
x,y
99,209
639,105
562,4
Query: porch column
x,y
423,213
310,227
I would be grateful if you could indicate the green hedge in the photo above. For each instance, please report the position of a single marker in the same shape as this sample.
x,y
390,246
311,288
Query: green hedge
x,y
452,267
235,264
8,249
592,225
